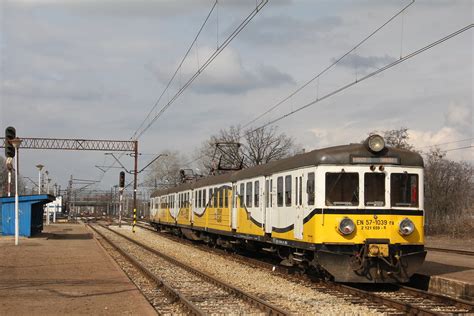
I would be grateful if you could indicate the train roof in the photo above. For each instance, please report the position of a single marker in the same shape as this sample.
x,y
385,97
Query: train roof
x,y
326,156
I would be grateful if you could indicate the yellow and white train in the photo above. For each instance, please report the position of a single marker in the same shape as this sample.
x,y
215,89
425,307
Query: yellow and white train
x,y
353,212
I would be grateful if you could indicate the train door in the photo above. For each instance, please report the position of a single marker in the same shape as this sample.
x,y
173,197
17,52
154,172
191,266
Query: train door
x,y
268,204
234,206
299,210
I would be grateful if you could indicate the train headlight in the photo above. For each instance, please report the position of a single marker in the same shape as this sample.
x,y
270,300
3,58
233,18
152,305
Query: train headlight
x,y
346,226
406,227
375,143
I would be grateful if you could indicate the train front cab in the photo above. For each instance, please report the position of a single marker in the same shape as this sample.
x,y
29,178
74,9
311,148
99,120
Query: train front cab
x,y
370,227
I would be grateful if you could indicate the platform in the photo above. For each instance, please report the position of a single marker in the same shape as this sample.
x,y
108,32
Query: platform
x,y
64,271
447,273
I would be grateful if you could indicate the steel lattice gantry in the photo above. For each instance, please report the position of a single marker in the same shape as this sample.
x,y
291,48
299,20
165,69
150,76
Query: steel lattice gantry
x,y
74,144
84,144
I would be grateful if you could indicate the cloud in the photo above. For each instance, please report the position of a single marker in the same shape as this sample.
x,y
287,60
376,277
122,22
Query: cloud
x,y
459,117
226,75
365,63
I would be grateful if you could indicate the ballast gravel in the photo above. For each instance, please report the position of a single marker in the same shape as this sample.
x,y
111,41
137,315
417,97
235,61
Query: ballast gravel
x,y
298,298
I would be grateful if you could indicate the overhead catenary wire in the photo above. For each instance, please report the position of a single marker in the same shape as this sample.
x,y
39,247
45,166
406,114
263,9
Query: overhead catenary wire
x,y
365,39
177,69
206,63
382,69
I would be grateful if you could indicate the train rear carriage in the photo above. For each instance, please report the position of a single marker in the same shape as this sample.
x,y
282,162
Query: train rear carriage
x,y
354,211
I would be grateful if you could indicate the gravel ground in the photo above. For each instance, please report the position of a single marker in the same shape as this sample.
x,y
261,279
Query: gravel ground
x,y
160,301
208,297
296,297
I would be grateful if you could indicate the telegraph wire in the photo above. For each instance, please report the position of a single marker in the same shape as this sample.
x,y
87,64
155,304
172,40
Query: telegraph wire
x,y
216,53
330,66
447,143
382,69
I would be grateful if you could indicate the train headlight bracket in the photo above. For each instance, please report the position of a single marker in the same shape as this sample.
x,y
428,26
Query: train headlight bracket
x,y
346,226
406,227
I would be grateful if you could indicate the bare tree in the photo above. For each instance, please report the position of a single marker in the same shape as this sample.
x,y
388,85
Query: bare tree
x,y
266,144
164,172
257,147
449,194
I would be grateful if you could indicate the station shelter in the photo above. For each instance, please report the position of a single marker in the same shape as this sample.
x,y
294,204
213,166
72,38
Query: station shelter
x,y
30,214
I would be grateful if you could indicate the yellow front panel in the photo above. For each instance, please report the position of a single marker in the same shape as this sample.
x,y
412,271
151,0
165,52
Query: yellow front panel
x,y
323,229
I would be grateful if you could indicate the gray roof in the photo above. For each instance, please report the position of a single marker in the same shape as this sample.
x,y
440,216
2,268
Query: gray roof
x,y
326,156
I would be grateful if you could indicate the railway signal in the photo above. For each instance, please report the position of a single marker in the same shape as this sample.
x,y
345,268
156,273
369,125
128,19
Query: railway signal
x,y
10,134
121,188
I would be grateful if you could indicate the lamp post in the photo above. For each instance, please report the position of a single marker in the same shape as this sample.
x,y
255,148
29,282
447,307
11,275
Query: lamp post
x,y
16,143
40,167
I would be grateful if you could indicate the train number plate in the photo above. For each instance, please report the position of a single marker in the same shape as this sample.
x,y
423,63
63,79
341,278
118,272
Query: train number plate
x,y
374,224
378,250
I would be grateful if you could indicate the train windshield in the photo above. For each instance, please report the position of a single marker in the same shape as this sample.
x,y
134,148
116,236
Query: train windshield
x,y
404,189
342,188
374,189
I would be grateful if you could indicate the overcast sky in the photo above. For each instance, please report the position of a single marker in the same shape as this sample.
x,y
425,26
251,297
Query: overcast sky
x,y
94,68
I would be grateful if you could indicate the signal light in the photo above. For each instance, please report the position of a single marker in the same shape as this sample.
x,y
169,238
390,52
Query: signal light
x,y
10,134
122,180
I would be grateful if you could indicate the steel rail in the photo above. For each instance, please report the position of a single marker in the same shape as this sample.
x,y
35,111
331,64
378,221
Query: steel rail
x,y
456,251
344,288
175,295
267,307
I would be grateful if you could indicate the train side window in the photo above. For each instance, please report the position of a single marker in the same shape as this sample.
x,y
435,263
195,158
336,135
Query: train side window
x,y
271,190
280,191
288,191
199,198
301,192
204,201
221,197
248,195
267,193
214,202
226,198
256,193
296,191
342,188
210,197
374,189
404,189
310,188
242,194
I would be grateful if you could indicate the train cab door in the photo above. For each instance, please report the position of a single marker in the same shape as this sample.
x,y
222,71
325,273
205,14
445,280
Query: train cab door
x,y
268,204
299,210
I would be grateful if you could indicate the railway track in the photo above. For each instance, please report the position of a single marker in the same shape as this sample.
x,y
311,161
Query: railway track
x,y
391,299
456,251
198,292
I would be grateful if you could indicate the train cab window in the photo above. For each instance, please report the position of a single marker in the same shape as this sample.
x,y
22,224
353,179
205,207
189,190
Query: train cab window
x,y
256,193
404,189
226,197
374,189
248,195
242,193
280,191
288,191
342,188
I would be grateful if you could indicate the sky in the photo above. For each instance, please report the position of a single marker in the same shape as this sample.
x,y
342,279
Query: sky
x,y
93,69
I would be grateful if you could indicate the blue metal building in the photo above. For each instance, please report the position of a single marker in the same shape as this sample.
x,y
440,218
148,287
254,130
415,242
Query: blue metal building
x,y
30,214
